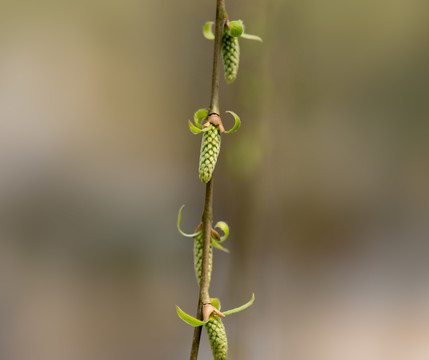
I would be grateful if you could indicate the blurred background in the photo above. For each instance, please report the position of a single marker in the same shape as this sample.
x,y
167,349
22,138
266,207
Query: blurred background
x,y
325,186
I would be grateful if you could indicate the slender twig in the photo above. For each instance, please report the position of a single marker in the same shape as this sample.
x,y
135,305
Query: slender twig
x,y
207,217
197,333
207,221
221,16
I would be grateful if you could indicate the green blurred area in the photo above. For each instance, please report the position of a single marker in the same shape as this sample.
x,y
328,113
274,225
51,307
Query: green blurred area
x,y
325,185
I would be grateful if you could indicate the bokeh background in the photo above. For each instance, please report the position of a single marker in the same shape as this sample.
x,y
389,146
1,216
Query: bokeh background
x,y
325,186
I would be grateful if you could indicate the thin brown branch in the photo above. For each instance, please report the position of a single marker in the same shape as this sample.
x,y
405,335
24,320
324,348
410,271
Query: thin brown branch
x,y
207,217
220,22
197,333
207,228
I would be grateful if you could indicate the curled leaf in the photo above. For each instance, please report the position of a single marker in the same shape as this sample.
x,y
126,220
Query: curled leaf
x,y
251,37
188,318
245,306
225,228
199,116
207,30
216,244
216,240
179,220
193,128
236,28
237,123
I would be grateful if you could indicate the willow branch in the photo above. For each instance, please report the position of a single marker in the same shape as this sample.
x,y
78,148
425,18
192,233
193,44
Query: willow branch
x,y
221,16
207,217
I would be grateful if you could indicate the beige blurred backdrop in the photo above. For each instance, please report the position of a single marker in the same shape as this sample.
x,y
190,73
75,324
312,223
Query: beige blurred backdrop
x,y
325,186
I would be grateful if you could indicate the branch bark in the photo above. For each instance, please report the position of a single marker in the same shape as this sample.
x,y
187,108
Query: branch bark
x,y
221,16
207,217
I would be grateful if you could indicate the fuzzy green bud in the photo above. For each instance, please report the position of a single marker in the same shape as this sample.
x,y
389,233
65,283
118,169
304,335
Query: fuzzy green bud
x,y
231,56
198,257
217,337
210,148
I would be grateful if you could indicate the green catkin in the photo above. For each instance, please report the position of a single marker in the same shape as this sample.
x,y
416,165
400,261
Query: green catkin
x,y
217,337
210,147
231,56
198,257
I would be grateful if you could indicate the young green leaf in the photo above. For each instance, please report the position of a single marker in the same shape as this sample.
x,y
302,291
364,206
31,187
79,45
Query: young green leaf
x,y
245,306
199,116
236,28
193,128
207,30
189,319
237,123
251,37
215,302
179,220
216,244
225,228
